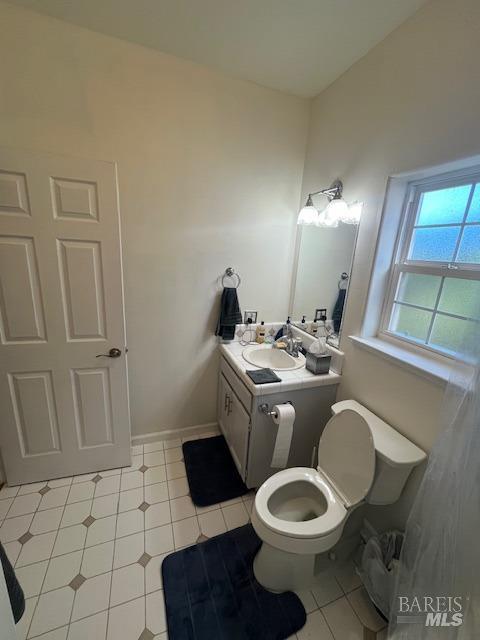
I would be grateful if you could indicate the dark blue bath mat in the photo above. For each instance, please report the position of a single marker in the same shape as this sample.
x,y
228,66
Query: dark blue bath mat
x,y
211,593
211,472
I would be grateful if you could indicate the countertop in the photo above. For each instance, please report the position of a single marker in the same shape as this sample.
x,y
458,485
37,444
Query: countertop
x,y
290,380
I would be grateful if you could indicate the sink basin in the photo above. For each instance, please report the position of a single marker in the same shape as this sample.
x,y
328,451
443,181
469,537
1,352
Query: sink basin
x,y
277,359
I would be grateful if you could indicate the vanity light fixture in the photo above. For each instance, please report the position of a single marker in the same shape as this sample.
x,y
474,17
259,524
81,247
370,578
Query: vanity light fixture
x,y
336,210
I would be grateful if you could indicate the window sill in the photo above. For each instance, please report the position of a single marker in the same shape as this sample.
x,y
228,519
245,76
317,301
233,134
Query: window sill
x,y
422,365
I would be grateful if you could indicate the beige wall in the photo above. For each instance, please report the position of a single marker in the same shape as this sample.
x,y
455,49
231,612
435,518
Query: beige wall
x,y
413,101
210,171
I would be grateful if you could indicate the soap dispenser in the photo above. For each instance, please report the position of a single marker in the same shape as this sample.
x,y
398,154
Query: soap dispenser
x,y
284,330
314,328
260,331
303,324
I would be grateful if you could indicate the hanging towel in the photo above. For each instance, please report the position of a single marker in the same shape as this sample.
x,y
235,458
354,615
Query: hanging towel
x,y
15,591
230,314
338,310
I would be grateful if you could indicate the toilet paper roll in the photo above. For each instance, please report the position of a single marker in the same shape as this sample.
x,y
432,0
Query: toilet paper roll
x,y
284,417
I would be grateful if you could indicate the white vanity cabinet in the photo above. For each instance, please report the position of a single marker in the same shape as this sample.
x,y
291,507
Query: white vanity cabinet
x,y
251,434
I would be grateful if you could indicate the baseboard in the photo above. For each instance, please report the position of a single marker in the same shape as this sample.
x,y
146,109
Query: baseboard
x,y
169,434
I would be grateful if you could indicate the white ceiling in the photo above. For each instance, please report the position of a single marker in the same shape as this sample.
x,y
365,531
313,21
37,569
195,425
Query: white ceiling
x,y
297,46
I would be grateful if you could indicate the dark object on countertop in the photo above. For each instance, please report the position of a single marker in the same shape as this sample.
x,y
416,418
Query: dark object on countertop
x,y
318,364
211,593
15,591
263,376
283,329
338,310
211,472
230,314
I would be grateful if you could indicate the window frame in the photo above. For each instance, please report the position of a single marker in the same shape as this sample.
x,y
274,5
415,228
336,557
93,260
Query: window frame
x,y
401,264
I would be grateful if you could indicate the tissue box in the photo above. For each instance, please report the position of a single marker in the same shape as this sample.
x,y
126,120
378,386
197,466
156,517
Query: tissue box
x,y
317,363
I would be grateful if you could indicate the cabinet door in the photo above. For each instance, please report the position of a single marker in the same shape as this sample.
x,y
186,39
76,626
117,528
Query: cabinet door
x,y
238,430
222,405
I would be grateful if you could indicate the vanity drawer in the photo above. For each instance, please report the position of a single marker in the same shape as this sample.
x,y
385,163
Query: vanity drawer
x,y
237,385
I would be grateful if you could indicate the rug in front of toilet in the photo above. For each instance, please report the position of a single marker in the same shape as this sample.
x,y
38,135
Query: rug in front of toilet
x,y
211,593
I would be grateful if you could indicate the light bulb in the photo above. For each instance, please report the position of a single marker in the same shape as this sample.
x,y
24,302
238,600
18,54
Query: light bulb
x,y
354,213
326,220
308,214
336,211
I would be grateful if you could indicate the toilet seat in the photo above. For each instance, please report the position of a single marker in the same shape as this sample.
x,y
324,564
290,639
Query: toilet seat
x,y
303,510
332,517
299,537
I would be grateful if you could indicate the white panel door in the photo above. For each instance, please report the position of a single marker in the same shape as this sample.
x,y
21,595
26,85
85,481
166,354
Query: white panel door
x,y
63,406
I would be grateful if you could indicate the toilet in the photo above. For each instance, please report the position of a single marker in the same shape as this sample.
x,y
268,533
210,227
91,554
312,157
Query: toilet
x,y
300,513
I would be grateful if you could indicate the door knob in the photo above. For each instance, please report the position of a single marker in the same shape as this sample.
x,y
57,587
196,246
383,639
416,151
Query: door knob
x,y
113,353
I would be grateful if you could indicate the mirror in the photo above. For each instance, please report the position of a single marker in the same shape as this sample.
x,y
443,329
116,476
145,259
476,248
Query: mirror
x,y
323,266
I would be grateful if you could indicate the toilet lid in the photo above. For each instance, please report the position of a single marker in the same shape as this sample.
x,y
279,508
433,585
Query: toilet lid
x,y
346,455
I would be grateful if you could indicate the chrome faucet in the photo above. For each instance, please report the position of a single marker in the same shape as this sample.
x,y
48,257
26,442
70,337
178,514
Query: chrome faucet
x,y
293,345
289,342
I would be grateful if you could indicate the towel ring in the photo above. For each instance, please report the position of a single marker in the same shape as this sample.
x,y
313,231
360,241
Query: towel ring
x,y
343,282
230,273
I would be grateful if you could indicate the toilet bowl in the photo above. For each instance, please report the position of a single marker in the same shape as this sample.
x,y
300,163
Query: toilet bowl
x,y
301,512
298,511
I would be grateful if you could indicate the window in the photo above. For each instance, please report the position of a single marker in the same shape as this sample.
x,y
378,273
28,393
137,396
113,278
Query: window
x,y
434,291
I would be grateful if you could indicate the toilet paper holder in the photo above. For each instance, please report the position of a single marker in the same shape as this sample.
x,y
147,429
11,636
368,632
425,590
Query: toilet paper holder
x,y
265,408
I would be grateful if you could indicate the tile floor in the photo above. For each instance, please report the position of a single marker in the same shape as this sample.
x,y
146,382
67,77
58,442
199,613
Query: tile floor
x,y
88,549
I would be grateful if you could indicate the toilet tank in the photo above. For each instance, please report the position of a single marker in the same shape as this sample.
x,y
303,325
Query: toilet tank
x,y
395,455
